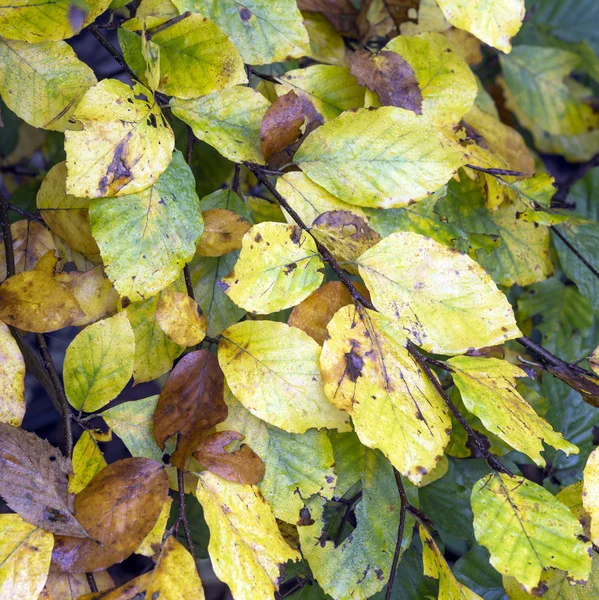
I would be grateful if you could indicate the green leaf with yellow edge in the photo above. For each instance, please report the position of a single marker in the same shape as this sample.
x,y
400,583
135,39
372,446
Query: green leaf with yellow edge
x,y
66,215
12,379
124,144
246,548
25,553
263,31
445,301
147,238
447,83
368,372
537,78
526,530
297,466
229,121
98,363
326,45
273,370
380,158
196,58
590,493
494,23
175,576
37,21
42,83
88,460
329,90
488,389
309,200
436,566
154,352
359,565
133,423
279,265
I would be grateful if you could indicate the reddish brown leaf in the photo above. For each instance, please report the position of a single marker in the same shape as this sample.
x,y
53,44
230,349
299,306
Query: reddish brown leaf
x,y
191,403
281,124
341,14
34,481
118,509
242,465
390,77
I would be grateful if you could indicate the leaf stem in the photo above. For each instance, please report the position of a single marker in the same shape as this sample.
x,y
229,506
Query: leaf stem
x,y
91,582
150,33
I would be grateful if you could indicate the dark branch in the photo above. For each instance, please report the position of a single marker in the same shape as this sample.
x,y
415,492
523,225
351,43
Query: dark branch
x,y
183,517
402,522
113,51
574,251
496,172
91,582
154,31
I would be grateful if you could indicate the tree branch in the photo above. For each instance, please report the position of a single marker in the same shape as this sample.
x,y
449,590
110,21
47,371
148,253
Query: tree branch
x,y
183,517
113,51
150,33
402,522
91,582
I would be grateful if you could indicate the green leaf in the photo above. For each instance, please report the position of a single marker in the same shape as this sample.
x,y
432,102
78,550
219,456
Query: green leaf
x,y
584,194
382,158
98,363
147,238
43,83
273,370
475,571
262,31
526,530
278,267
229,121
297,466
443,299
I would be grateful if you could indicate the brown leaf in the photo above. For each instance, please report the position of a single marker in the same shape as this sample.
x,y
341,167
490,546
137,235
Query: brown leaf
x,y
118,509
588,387
223,231
382,19
191,403
389,76
341,14
281,124
34,481
35,301
242,465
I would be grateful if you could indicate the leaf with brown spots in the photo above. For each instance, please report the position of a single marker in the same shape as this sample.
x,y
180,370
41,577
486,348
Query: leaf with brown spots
x,y
35,301
242,465
118,509
223,232
34,481
191,403
281,124
181,319
389,76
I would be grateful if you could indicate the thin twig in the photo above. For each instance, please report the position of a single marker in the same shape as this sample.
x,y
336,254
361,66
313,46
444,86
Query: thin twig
x,y
576,253
404,503
270,78
112,50
183,517
91,582
7,237
155,30
191,140
236,176
24,213
496,172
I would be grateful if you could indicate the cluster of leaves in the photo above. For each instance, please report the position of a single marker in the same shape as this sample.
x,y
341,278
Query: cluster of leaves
x,y
324,229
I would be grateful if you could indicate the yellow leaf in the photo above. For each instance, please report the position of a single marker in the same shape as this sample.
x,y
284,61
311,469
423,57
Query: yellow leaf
x,y
42,83
223,232
272,369
488,389
495,23
35,301
380,158
98,363
66,215
445,301
124,145
326,45
246,547
88,460
229,121
526,530
12,379
436,566
153,13
590,493
25,553
153,541
278,267
181,319
70,586
447,83
368,372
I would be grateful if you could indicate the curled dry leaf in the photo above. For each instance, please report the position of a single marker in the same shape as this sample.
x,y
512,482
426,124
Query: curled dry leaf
x,y
34,481
389,76
242,465
118,508
190,404
35,301
223,232
181,319
281,124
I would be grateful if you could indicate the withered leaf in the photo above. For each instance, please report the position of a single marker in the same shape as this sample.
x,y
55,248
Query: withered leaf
x,y
242,465
34,481
340,13
281,124
118,509
389,76
190,404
